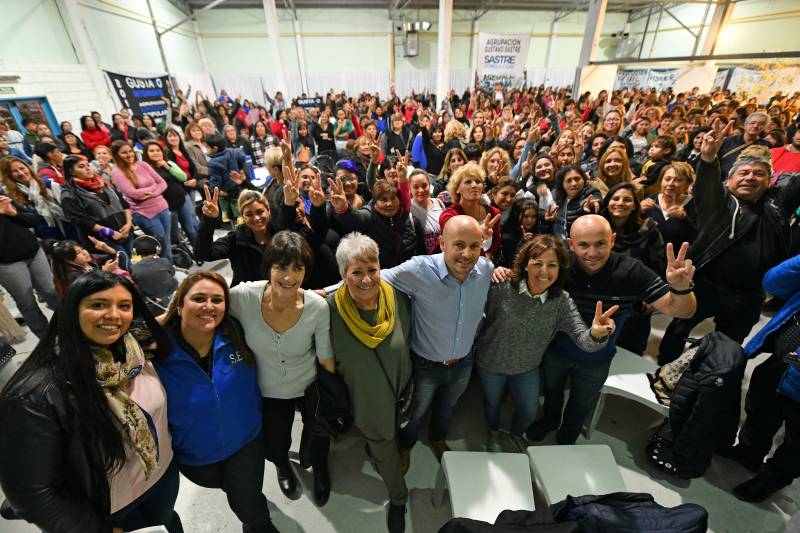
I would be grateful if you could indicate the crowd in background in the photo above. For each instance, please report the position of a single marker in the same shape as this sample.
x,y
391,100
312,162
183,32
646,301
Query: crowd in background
x,y
380,250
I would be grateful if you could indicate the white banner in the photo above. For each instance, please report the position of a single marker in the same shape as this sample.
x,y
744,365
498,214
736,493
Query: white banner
x,y
662,79
502,57
630,78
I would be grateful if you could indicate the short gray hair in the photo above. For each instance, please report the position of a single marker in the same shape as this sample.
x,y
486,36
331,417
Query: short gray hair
x,y
756,114
355,246
750,160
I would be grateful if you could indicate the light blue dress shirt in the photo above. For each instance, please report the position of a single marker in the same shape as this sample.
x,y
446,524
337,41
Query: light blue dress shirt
x,y
446,314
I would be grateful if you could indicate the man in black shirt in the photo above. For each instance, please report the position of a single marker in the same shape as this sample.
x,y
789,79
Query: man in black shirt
x,y
743,232
598,274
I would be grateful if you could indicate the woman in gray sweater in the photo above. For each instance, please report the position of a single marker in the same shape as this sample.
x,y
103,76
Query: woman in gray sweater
x,y
522,317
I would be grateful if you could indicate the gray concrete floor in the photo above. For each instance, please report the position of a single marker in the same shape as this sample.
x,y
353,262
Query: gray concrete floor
x,y
358,499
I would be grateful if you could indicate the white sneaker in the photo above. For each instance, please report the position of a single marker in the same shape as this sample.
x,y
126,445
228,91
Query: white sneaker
x,y
494,444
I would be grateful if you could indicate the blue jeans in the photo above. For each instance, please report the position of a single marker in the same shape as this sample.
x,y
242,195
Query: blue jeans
x,y
156,507
586,380
188,221
160,227
524,391
446,384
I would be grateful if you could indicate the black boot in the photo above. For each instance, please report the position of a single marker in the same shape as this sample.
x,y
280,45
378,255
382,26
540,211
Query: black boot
x,y
287,481
396,518
742,455
539,430
758,488
322,485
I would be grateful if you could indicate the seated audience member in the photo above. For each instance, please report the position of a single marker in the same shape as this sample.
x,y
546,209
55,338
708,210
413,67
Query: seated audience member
x,y
24,266
14,138
154,275
786,158
733,145
244,245
519,228
370,331
453,160
74,146
91,449
426,210
97,208
660,155
214,405
32,194
673,208
197,152
143,189
8,151
70,260
92,134
522,316
574,197
102,164
51,159
597,272
743,231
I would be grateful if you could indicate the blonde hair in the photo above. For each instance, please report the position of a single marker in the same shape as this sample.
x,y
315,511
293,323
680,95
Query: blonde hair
x,y
488,154
249,197
626,167
454,130
203,121
273,157
470,170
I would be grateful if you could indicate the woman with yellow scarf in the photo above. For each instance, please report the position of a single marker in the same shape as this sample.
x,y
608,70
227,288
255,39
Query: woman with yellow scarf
x,y
370,328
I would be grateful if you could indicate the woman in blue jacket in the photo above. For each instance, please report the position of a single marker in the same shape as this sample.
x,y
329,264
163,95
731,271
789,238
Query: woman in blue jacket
x,y
213,400
773,398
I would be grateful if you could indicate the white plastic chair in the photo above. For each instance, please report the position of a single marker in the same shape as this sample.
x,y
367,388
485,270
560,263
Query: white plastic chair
x,y
627,377
574,470
156,529
482,484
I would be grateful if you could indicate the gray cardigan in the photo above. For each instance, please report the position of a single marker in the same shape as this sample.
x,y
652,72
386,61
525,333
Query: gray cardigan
x,y
517,329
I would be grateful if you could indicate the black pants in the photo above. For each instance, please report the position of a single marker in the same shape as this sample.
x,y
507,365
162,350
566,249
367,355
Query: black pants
x,y
156,507
635,332
734,312
277,418
241,477
766,411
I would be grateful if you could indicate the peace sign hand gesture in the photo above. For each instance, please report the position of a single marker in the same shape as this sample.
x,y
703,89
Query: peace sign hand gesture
x,y
338,198
487,225
402,165
590,206
315,193
291,189
680,270
211,203
602,324
551,213
712,141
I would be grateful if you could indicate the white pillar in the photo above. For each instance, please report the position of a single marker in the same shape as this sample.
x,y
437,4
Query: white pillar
x,y
301,55
443,48
200,46
78,33
274,35
594,25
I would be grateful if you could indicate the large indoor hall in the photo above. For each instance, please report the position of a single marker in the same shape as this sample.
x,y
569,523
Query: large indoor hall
x,y
429,266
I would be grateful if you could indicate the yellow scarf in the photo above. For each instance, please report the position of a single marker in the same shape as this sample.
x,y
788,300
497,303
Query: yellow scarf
x,y
371,336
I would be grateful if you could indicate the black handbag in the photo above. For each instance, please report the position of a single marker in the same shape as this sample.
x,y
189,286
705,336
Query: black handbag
x,y
6,352
402,401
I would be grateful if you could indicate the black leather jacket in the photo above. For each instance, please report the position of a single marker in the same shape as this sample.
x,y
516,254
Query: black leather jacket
x,y
721,221
52,474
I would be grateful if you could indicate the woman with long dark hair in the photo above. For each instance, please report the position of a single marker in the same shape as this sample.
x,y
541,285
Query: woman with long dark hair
x,y
92,134
90,448
214,405
143,189
574,197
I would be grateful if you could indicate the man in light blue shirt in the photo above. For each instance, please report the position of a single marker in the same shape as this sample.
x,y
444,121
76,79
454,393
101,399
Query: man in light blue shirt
x,y
448,292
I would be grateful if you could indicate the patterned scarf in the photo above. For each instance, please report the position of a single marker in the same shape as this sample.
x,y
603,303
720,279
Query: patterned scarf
x,y
371,336
48,208
134,422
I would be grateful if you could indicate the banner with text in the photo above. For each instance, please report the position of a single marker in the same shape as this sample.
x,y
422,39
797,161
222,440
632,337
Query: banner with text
x,y
141,95
501,58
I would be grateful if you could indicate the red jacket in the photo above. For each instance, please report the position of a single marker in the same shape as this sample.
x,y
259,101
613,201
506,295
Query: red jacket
x,y
94,138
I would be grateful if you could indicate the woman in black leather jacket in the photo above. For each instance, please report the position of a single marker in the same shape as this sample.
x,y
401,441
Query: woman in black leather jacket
x,y
66,466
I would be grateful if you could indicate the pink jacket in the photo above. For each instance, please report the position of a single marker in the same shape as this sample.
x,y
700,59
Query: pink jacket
x,y
149,182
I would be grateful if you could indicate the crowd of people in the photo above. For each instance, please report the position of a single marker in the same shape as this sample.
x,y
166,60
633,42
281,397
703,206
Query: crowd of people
x,y
380,251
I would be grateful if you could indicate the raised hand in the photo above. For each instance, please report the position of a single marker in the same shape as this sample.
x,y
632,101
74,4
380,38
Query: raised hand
x,y
111,265
6,207
712,141
402,165
487,225
676,211
647,203
211,203
286,150
374,153
237,177
680,270
315,192
291,189
602,324
338,198
526,235
551,213
102,246
591,205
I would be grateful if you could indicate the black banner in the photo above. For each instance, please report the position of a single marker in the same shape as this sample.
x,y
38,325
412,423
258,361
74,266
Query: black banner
x,y
143,96
308,103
